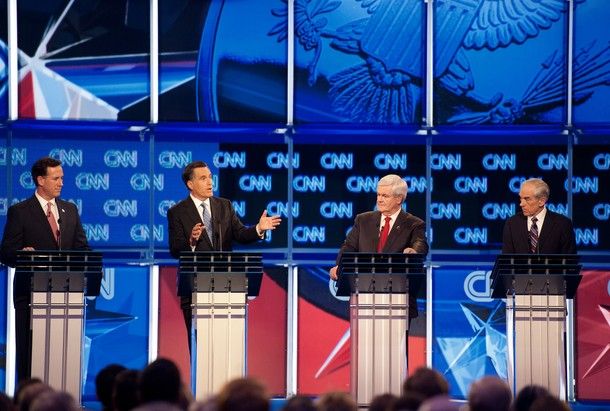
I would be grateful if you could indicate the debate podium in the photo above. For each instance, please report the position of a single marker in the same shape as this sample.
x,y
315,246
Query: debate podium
x,y
60,280
536,287
219,284
379,286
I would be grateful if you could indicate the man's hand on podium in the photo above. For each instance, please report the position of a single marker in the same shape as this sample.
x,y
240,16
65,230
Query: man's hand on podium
x,y
333,273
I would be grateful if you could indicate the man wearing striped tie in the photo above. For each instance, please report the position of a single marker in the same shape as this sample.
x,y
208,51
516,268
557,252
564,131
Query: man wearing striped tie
x,y
536,229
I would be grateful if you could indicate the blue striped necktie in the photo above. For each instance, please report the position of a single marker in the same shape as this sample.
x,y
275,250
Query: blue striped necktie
x,y
533,236
207,221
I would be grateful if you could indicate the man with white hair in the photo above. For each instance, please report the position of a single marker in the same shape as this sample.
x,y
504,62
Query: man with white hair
x,y
536,229
390,229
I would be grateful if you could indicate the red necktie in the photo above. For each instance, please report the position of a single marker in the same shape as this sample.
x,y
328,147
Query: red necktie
x,y
52,222
383,236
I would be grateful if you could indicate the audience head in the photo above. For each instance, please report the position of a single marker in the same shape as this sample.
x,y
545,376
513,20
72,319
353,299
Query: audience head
x,y
549,403
104,383
527,395
489,394
439,403
160,381
383,402
29,393
6,403
337,401
125,393
427,383
408,401
243,394
54,401
299,403
209,404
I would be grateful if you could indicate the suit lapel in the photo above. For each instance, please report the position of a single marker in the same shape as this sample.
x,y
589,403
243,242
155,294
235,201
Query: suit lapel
x,y
522,232
397,229
546,230
372,226
41,218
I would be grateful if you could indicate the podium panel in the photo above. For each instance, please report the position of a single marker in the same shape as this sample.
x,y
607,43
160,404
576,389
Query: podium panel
x,y
380,287
219,284
220,324
536,287
59,281
539,341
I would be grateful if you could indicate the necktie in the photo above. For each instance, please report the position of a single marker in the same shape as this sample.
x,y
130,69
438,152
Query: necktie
x,y
383,236
533,236
207,221
52,222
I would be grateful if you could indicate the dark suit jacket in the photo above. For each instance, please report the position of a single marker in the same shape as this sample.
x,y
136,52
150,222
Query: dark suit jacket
x,y
27,226
407,231
227,227
556,236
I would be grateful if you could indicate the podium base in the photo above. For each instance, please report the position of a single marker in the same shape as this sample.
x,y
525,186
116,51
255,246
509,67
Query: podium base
x,y
379,325
536,336
220,325
57,336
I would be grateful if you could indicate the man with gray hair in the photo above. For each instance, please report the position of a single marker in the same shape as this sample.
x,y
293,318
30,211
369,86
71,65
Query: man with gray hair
x,y
389,229
536,229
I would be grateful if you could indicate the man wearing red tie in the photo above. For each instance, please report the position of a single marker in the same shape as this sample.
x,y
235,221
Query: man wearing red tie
x,y
537,230
389,229
42,222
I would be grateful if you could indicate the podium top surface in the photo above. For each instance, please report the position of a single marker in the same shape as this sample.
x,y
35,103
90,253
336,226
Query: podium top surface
x,y
380,273
58,260
220,262
381,263
559,264
535,274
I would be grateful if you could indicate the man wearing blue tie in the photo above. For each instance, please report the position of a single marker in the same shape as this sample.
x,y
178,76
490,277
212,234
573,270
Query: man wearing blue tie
x,y
536,229
202,222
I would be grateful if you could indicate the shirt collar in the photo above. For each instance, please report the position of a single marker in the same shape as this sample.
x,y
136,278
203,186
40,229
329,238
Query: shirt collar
x,y
198,202
43,202
540,216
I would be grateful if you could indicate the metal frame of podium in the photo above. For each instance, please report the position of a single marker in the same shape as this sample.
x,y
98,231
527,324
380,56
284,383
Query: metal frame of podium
x,y
60,280
536,287
379,286
219,284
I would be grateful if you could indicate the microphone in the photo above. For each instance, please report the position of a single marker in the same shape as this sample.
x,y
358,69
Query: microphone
x,y
59,233
219,233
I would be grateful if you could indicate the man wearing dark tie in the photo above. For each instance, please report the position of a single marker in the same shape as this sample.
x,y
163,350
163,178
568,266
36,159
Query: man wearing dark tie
x,y
202,222
42,222
536,229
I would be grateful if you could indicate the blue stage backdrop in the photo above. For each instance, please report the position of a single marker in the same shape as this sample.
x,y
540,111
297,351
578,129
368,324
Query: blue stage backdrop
x,y
468,327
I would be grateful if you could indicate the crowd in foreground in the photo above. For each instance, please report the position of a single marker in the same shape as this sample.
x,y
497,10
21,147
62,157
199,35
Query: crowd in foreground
x,y
159,387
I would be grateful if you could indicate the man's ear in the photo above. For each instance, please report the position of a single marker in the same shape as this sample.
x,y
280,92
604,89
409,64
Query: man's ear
x,y
189,184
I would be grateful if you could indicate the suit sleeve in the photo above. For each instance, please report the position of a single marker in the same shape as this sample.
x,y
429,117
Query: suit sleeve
x,y
240,232
568,239
80,238
507,239
178,238
418,240
350,244
12,240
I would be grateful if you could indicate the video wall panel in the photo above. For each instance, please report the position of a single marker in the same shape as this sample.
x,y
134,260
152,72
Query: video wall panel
x,y
495,63
333,183
476,189
84,60
591,62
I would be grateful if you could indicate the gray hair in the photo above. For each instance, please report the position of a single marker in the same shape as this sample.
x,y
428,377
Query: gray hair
x,y
541,189
398,185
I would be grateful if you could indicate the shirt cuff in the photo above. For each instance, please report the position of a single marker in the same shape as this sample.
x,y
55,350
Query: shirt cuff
x,y
260,233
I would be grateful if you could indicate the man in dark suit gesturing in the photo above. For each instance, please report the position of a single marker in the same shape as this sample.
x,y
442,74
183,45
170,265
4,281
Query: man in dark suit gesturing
x,y
202,222
536,229
389,229
42,222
